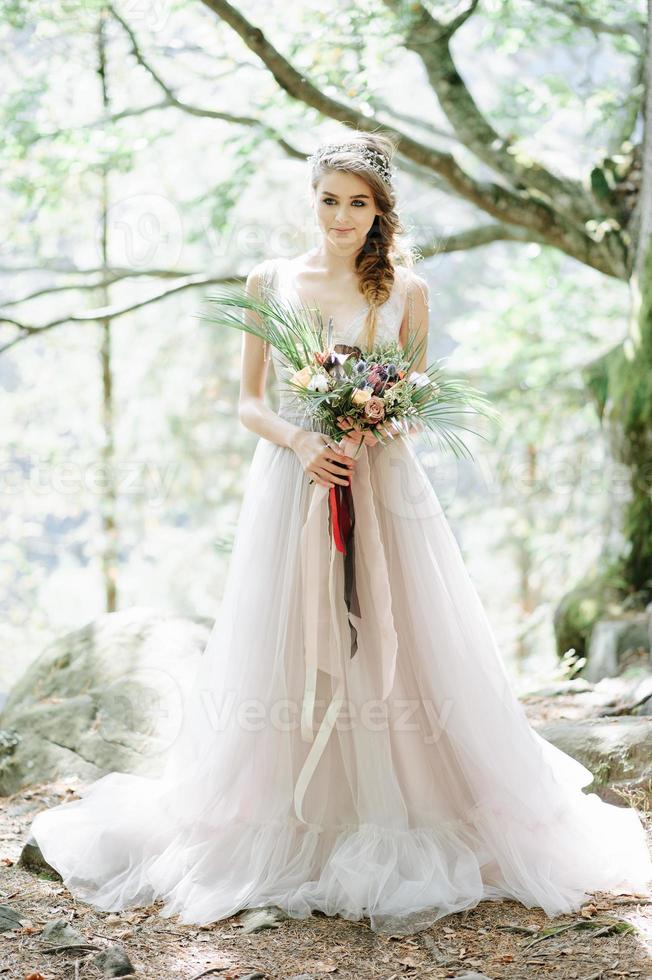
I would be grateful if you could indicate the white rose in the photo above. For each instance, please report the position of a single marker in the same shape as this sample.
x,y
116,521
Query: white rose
x,y
419,379
318,383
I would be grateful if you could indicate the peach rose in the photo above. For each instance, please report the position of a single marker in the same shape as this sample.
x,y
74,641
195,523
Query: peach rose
x,y
361,395
302,377
374,409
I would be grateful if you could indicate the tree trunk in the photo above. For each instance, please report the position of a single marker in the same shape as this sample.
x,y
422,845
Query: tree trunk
x,y
621,383
109,492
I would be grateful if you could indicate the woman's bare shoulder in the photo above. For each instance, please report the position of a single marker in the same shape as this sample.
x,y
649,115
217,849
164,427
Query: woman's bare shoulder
x,y
270,264
260,277
413,282
262,272
410,273
261,267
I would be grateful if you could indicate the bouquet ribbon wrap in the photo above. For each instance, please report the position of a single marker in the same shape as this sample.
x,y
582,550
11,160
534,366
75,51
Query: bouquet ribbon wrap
x,y
346,603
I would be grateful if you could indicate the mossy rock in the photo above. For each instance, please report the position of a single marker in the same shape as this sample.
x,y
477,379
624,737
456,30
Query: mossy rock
x,y
108,696
617,751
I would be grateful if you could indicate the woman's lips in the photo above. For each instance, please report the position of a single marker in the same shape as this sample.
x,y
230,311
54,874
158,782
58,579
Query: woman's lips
x,y
343,229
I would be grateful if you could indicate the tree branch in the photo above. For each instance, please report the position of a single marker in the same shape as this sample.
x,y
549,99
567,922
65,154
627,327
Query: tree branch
x,y
100,284
69,268
417,121
166,103
110,312
524,209
430,39
575,12
474,238
171,99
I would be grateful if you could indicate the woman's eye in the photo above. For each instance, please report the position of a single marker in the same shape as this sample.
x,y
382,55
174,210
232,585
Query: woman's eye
x,y
328,200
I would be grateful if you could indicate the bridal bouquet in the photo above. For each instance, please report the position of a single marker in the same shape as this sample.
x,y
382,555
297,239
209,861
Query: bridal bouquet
x,y
344,388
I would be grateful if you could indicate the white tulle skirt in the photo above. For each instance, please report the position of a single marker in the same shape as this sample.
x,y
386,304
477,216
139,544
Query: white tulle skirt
x,y
400,783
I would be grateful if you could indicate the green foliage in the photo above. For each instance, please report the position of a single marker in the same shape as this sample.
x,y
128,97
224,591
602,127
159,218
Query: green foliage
x,y
542,44
620,382
531,321
289,327
600,593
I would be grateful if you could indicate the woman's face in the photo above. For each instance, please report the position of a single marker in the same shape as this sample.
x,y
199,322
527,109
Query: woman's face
x,y
345,210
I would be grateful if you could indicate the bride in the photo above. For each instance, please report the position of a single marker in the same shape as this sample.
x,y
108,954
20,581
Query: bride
x,y
374,763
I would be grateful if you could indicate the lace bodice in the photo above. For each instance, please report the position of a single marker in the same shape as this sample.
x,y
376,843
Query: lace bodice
x,y
278,282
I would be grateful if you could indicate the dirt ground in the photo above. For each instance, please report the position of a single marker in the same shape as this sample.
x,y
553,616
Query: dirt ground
x,y
610,937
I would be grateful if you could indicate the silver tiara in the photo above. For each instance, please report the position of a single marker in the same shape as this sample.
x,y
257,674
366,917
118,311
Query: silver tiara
x,y
376,160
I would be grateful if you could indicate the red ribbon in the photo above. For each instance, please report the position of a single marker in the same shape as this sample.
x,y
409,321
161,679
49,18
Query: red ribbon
x,y
341,507
342,521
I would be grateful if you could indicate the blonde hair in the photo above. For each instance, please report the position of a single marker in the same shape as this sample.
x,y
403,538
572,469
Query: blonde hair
x,y
382,250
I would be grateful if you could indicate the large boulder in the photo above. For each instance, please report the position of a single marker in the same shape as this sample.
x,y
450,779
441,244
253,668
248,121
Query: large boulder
x,y
105,697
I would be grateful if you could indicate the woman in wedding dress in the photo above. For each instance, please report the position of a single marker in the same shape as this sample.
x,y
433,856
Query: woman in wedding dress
x,y
395,777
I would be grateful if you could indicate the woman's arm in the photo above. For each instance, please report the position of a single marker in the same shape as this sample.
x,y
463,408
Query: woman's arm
x,y
253,412
321,462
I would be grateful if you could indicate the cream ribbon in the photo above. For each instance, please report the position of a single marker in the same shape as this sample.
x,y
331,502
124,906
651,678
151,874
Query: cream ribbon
x,y
326,629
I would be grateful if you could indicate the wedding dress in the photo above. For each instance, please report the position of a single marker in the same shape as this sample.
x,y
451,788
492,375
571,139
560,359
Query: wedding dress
x,y
400,782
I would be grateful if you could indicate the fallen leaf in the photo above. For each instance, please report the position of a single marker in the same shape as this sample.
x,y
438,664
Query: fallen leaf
x,y
113,920
410,961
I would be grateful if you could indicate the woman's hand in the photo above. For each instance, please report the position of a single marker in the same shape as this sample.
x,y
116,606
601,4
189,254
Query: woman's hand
x,y
358,434
388,429
322,460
